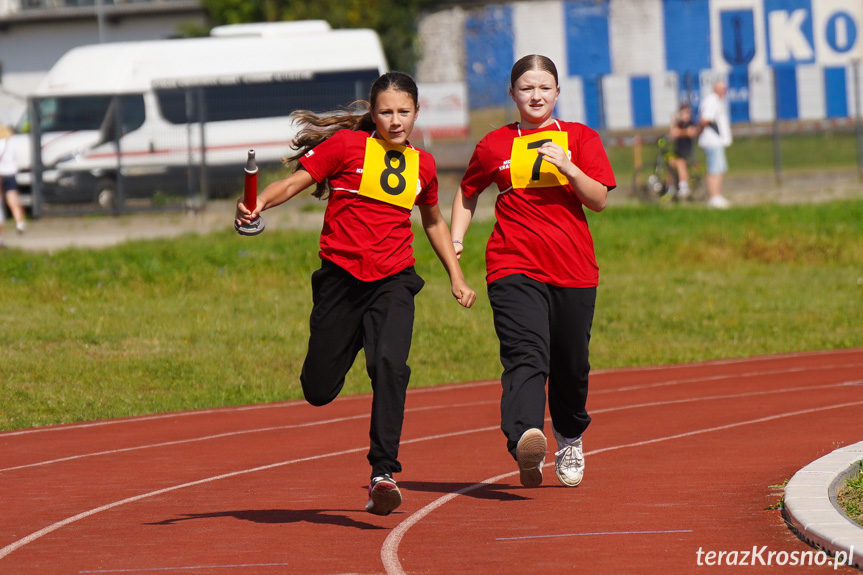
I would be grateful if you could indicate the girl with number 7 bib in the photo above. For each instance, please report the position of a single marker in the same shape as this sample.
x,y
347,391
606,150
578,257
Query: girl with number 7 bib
x,y
541,268
363,293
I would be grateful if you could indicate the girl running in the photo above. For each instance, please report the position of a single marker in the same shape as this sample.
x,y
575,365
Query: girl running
x,y
541,269
363,294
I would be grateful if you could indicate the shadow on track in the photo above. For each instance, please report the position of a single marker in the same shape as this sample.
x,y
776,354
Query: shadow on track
x,y
270,516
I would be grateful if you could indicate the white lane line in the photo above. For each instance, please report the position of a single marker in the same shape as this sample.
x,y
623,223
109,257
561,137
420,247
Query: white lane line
x,y
431,389
719,397
700,379
220,410
658,532
188,568
390,547
231,434
749,374
732,361
182,441
55,526
410,410
170,415
83,515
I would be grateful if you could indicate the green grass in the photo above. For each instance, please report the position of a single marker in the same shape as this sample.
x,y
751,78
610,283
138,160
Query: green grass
x,y
850,496
220,320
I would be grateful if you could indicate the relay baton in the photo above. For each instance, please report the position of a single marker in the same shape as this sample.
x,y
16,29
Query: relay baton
x,y
250,198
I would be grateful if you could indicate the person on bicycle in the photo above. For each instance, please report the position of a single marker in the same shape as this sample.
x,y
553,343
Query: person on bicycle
x,y
682,132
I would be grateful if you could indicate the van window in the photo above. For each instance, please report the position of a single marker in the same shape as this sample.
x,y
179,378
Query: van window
x,y
131,116
71,113
131,111
244,101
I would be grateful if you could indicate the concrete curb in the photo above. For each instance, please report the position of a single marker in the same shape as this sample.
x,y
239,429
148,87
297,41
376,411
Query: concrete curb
x,y
810,504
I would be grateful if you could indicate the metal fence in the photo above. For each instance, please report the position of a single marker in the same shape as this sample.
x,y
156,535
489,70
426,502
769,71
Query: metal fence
x,y
82,161
180,146
171,148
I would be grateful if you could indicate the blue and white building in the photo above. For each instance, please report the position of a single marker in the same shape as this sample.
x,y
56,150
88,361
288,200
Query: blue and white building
x,y
627,64
624,64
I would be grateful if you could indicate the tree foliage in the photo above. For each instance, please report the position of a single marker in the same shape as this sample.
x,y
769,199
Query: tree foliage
x,y
394,20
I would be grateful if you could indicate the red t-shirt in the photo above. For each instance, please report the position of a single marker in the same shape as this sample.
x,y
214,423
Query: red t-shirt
x,y
368,238
540,232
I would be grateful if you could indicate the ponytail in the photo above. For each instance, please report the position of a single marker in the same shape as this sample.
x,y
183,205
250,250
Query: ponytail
x,y
317,128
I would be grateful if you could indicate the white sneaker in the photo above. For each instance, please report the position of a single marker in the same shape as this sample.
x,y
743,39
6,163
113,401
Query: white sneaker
x,y
684,191
20,226
719,203
569,460
530,455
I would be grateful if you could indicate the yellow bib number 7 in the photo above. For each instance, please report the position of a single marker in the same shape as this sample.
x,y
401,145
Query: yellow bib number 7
x,y
527,169
390,173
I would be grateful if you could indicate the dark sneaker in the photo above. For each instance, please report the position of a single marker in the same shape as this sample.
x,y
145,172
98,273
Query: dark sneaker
x,y
530,455
384,495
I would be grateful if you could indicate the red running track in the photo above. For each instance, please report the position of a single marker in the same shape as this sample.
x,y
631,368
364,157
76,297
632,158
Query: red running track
x,y
680,459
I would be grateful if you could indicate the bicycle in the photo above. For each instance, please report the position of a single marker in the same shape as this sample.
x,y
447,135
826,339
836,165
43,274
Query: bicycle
x,y
653,181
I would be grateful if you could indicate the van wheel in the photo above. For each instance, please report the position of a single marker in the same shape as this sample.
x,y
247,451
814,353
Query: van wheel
x,y
106,194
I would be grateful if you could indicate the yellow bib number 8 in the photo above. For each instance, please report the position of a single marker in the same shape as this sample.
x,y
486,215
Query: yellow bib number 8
x,y
390,173
397,171
527,168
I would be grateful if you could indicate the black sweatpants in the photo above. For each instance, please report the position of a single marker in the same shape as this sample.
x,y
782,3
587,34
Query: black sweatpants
x,y
349,315
544,333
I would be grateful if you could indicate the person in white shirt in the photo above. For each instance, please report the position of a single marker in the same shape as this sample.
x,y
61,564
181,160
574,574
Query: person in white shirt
x,y
715,137
9,187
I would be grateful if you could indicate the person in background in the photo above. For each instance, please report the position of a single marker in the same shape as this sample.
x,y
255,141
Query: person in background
x,y
715,137
8,170
2,218
363,293
541,267
681,131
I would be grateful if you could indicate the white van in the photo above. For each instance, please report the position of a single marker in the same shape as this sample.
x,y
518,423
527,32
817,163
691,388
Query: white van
x,y
185,103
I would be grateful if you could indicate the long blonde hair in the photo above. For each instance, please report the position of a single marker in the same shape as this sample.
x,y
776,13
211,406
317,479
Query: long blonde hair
x,y
358,116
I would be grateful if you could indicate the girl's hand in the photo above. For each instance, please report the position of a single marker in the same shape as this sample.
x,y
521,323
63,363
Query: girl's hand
x,y
243,215
557,156
458,247
591,193
463,293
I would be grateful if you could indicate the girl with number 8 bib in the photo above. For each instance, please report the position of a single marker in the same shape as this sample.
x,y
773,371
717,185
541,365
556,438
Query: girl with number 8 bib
x,y
363,293
541,268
